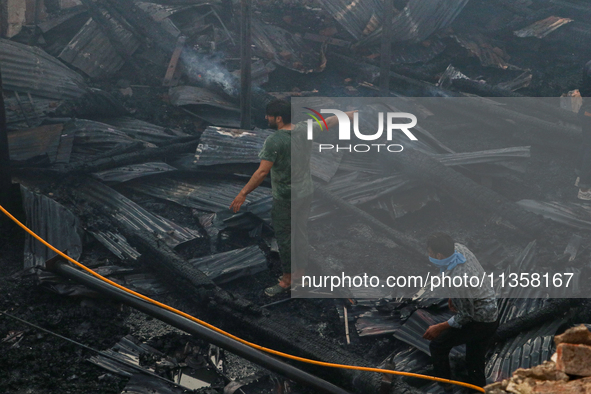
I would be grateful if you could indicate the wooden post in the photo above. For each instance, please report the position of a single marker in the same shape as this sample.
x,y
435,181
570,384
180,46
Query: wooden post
x,y
385,54
245,71
5,176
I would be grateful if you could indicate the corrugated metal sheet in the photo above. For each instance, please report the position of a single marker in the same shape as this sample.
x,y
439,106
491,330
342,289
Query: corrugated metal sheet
x,y
134,216
127,173
30,70
219,145
353,15
207,194
422,52
487,156
525,350
92,138
144,131
284,48
541,29
231,146
22,114
91,51
193,95
487,53
42,142
374,322
117,244
419,19
413,329
227,266
568,213
52,222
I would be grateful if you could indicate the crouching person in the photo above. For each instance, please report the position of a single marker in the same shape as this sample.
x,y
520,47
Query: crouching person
x,y
476,313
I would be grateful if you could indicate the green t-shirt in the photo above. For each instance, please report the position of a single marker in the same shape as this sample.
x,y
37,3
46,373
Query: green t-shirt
x,y
289,178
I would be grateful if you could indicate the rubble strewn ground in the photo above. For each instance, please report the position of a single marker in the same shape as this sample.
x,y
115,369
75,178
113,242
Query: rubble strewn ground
x,y
114,115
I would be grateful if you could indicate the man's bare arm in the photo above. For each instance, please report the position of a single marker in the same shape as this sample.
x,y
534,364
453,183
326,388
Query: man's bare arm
x,y
332,121
255,180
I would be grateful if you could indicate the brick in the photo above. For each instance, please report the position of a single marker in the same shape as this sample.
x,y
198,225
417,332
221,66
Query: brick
x,y
574,359
578,335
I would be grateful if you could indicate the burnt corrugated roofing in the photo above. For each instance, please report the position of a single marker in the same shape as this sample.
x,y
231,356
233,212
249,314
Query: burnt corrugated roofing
x,y
42,142
206,194
542,28
284,48
31,70
24,112
353,15
136,217
92,138
419,19
52,222
117,244
127,173
144,131
227,266
219,145
413,329
568,213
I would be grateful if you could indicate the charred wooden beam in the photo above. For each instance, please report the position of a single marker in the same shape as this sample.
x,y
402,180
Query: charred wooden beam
x,y
5,174
386,47
245,65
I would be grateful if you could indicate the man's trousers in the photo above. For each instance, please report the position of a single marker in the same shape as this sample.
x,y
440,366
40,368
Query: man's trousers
x,y
281,215
476,336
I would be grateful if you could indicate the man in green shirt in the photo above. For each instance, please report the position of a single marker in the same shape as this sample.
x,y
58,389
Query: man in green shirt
x,y
291,185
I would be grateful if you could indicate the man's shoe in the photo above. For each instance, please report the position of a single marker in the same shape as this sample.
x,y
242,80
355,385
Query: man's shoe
x,y
275,290
584,195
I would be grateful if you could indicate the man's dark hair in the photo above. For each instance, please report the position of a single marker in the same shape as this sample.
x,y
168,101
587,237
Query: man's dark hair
x,y
441,243
280,108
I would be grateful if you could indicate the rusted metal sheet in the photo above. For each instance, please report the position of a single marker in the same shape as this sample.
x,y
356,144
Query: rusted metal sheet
x,y
542,28
52,222
92,52
27,112
31,70
418,20
487,53
44,141
284,48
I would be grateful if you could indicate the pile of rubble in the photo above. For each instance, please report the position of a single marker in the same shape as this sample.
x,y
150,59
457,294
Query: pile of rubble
x,y
569,370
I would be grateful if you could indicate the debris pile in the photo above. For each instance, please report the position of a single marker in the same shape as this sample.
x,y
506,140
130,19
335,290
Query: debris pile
x,y
569,370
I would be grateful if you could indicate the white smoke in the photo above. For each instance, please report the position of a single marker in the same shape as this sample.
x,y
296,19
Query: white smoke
x,y
209,71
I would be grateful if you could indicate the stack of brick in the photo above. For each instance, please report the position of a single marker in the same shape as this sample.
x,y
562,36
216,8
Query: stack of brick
x,y
568,372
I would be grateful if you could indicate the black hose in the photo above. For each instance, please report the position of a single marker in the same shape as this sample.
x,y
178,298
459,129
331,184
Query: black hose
x,y
256,356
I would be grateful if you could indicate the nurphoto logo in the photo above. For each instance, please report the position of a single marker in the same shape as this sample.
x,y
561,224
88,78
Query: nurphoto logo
x,y
345,130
